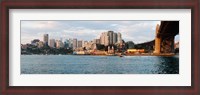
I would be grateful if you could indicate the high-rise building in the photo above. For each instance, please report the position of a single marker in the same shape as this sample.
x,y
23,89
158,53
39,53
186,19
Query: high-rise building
x,y
74,43
83,42
70,43
104,39
110,34
52,43
109,38
119,38
66,43
80,43
106,43
59,44
114,38
45,39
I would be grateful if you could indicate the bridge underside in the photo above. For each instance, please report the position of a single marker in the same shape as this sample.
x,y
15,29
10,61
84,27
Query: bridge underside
x,y
165,34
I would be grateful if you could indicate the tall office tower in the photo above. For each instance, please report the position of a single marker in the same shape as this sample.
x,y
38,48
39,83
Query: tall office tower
x,y
114,38
104,39
80,43
45,39
119,37
70,43
61,44
110,34
52,43
74,43
83,42
66,43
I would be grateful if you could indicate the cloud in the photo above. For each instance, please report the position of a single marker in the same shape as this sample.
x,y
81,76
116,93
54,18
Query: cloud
x,y
136,31
113,24
38,24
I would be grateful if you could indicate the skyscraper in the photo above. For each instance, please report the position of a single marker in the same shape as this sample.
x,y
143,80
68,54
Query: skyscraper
x,y
83,43
45,39
66,43
74,43
119,37
110,34
114,38
80,43
70,43
52,43
109,38
104,39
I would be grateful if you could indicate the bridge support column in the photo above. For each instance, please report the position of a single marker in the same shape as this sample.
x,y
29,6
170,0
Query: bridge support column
x,y
157,41
157,46
167,45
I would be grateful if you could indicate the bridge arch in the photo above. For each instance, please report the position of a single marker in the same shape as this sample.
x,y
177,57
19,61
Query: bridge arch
x,y
165,33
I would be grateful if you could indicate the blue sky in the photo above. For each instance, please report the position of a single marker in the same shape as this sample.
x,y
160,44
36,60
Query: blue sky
x,y
136,31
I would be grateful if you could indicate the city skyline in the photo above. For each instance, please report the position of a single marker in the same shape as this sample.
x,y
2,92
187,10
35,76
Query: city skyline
x,y
106,38
136,31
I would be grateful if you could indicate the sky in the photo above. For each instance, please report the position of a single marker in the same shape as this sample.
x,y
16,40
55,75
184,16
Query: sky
x,y
136,31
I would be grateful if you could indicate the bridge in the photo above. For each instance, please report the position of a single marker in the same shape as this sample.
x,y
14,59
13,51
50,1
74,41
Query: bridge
x,y
165,33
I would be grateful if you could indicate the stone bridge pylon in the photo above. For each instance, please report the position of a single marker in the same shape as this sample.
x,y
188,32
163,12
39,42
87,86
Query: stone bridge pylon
x,y
165,34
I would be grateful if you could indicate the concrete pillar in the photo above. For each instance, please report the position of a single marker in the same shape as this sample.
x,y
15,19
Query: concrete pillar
x,y
157,41
167,45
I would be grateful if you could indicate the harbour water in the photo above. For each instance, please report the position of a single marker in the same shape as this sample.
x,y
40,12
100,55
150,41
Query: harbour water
x,y
73,64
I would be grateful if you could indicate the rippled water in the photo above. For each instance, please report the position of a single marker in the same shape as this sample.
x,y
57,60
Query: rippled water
x,y
71,64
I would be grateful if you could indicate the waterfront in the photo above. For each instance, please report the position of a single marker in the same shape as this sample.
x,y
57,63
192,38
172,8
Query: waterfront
x,y
73,64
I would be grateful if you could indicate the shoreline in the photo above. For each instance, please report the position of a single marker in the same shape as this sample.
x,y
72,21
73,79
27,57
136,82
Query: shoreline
x,y
165,55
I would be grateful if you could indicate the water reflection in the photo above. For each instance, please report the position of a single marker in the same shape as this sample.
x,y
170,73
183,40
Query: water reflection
x,y
168,65
68,64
